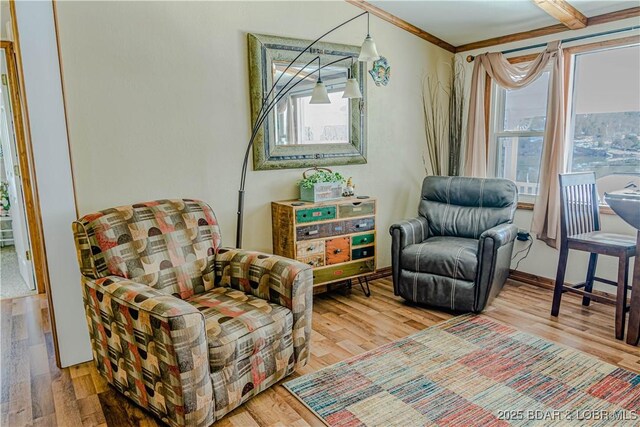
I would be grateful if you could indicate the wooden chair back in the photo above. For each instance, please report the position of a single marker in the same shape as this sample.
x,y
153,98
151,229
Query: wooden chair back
x,y
579,204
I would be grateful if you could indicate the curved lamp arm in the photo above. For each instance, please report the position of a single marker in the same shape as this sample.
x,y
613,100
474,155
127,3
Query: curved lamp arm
x,y
268,106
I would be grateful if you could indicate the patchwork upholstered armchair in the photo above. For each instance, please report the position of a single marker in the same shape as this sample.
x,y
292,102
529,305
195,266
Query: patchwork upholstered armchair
x,y
185,328
456,253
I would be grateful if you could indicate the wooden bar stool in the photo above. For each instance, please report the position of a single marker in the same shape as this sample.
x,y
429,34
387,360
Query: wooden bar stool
x,y
580,230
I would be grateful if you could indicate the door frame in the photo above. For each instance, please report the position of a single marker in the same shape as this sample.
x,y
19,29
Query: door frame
x,y
27,173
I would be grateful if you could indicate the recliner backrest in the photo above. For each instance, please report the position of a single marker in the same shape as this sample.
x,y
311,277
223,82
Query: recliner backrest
x,y
466,207
169,245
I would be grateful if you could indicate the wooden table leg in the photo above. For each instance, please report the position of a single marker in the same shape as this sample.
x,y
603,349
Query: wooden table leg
x,y
634,313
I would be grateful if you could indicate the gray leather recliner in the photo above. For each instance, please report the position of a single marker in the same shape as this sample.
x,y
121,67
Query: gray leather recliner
x,y
456,253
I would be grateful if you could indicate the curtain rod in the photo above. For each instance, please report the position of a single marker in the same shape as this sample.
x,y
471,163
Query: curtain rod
x,y
470,58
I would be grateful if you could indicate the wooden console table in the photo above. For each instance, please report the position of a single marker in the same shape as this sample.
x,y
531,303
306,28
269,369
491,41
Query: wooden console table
x,y
337,238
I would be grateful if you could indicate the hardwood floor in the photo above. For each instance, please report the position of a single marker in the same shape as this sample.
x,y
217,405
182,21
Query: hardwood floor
x,y
35,392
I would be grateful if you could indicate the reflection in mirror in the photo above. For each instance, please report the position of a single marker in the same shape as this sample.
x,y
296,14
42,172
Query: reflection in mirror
x,y
295,133
298,121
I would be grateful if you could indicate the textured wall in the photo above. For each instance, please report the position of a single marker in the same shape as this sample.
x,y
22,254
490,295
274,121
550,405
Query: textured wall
x,y
158,106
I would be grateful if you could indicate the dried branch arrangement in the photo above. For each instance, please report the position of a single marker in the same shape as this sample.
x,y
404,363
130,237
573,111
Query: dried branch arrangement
x,y
443,107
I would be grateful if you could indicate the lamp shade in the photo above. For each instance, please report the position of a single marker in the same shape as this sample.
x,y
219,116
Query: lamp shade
x,y
368,51
351,90
319,94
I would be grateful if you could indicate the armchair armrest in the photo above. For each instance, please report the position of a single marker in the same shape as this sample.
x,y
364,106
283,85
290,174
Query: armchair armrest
x,y
152,347
495,247
410,231
276,279
403,234
500,234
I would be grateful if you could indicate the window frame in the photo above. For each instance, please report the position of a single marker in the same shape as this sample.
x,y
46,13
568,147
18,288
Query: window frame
x,y
497,115
570,93
528,203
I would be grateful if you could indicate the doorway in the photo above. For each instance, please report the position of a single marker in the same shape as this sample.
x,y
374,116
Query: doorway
x,y
17,276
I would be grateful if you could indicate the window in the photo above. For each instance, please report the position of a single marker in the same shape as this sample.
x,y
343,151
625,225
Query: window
x,y
605,114
517,132
603,126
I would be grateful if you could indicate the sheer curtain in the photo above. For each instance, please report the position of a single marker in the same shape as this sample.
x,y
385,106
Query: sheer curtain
x,y
546,213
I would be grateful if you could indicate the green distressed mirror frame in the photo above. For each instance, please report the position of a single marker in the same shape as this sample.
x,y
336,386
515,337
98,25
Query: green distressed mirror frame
x,y
263,50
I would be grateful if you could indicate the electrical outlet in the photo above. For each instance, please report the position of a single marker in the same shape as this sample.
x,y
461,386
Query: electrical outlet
x,y
523,235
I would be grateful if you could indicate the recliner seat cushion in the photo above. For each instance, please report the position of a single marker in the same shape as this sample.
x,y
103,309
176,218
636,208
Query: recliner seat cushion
x,y
437,291
454,257
242,379
240,325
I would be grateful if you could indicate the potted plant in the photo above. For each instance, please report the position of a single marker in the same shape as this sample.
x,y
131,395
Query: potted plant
x,y
321,185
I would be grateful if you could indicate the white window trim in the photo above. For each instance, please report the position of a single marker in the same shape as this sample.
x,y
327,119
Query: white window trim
x,y
496,113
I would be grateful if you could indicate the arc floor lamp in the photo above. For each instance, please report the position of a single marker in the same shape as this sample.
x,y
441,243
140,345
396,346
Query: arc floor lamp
x,y
368,52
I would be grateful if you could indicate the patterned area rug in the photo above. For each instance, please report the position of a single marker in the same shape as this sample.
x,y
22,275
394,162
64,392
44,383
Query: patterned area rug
x,y
471,371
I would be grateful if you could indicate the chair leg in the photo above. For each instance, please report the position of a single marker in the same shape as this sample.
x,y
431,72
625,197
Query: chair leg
x,y
591,272
557,292
621,297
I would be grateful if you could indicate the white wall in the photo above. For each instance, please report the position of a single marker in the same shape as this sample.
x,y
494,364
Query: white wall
x,y
52,168
5,21
158,106
543,260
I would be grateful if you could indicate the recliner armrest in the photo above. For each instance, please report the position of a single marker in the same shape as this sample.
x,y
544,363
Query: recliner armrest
x,y
152,347
501,234
410,231
276,279
403,234
495,247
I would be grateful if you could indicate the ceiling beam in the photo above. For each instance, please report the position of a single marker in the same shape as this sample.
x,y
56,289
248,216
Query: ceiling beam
x,y
374,10
562,11
632,12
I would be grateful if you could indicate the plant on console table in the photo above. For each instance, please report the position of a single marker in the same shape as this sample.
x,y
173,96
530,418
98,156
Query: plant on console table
x,y
322,185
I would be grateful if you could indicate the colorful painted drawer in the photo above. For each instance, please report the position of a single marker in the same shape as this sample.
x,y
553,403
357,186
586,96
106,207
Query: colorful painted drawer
x,y
315,214
336,238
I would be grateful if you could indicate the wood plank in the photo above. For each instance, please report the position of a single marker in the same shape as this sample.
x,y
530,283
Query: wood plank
x,y
64,398
400,23
562,11
631,12
83,386
121,412
343,326
622,41
91,411
42,404
545,31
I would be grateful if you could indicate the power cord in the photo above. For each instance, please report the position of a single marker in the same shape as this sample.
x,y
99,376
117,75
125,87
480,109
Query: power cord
x,y
527,249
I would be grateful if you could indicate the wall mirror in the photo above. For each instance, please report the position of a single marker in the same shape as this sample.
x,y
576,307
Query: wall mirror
x,y
297,134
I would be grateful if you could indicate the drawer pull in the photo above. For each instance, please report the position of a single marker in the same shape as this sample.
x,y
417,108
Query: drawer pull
x,y
309,233
362,225
310,248
337,251
364,239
